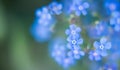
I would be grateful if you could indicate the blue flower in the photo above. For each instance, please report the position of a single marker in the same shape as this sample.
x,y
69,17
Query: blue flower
x,y
44,17
115,21
76,53
42,27
99,30
59,54
94,55
102,46
73,35
73,30
55,8
40,33
74,41
110,67
111,6
78,7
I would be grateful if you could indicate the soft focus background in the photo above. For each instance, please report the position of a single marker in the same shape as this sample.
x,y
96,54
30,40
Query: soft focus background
x,y
18,49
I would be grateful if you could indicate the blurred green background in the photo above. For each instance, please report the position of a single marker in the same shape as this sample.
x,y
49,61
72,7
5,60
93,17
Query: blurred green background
x,y
18,49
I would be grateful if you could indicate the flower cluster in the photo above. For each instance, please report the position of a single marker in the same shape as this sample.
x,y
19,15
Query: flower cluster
x,y
100,49
42,28
55,8
78,7
94,55
66,52
74,41
44,17
59,54
99,30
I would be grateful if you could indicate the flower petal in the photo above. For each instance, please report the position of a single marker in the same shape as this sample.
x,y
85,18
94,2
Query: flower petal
x,y
103,40
96,44
78,29
108,45
80,41
104,53
72,26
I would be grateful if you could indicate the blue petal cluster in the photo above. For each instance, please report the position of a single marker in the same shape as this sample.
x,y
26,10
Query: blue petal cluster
x,y
100,49
59,53
42,27
44,17
78,7
67,54
99,30
55,8
74,41
44,21
111,6
102,46
95,55
115,21
40,33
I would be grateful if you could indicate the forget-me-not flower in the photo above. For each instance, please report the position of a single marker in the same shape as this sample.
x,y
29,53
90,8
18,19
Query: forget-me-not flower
x,y
78,7
102,46
99,30
94,55
73,34
59,54
44,17
111,6
55,8
77,53
74,41
42,27
41,33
